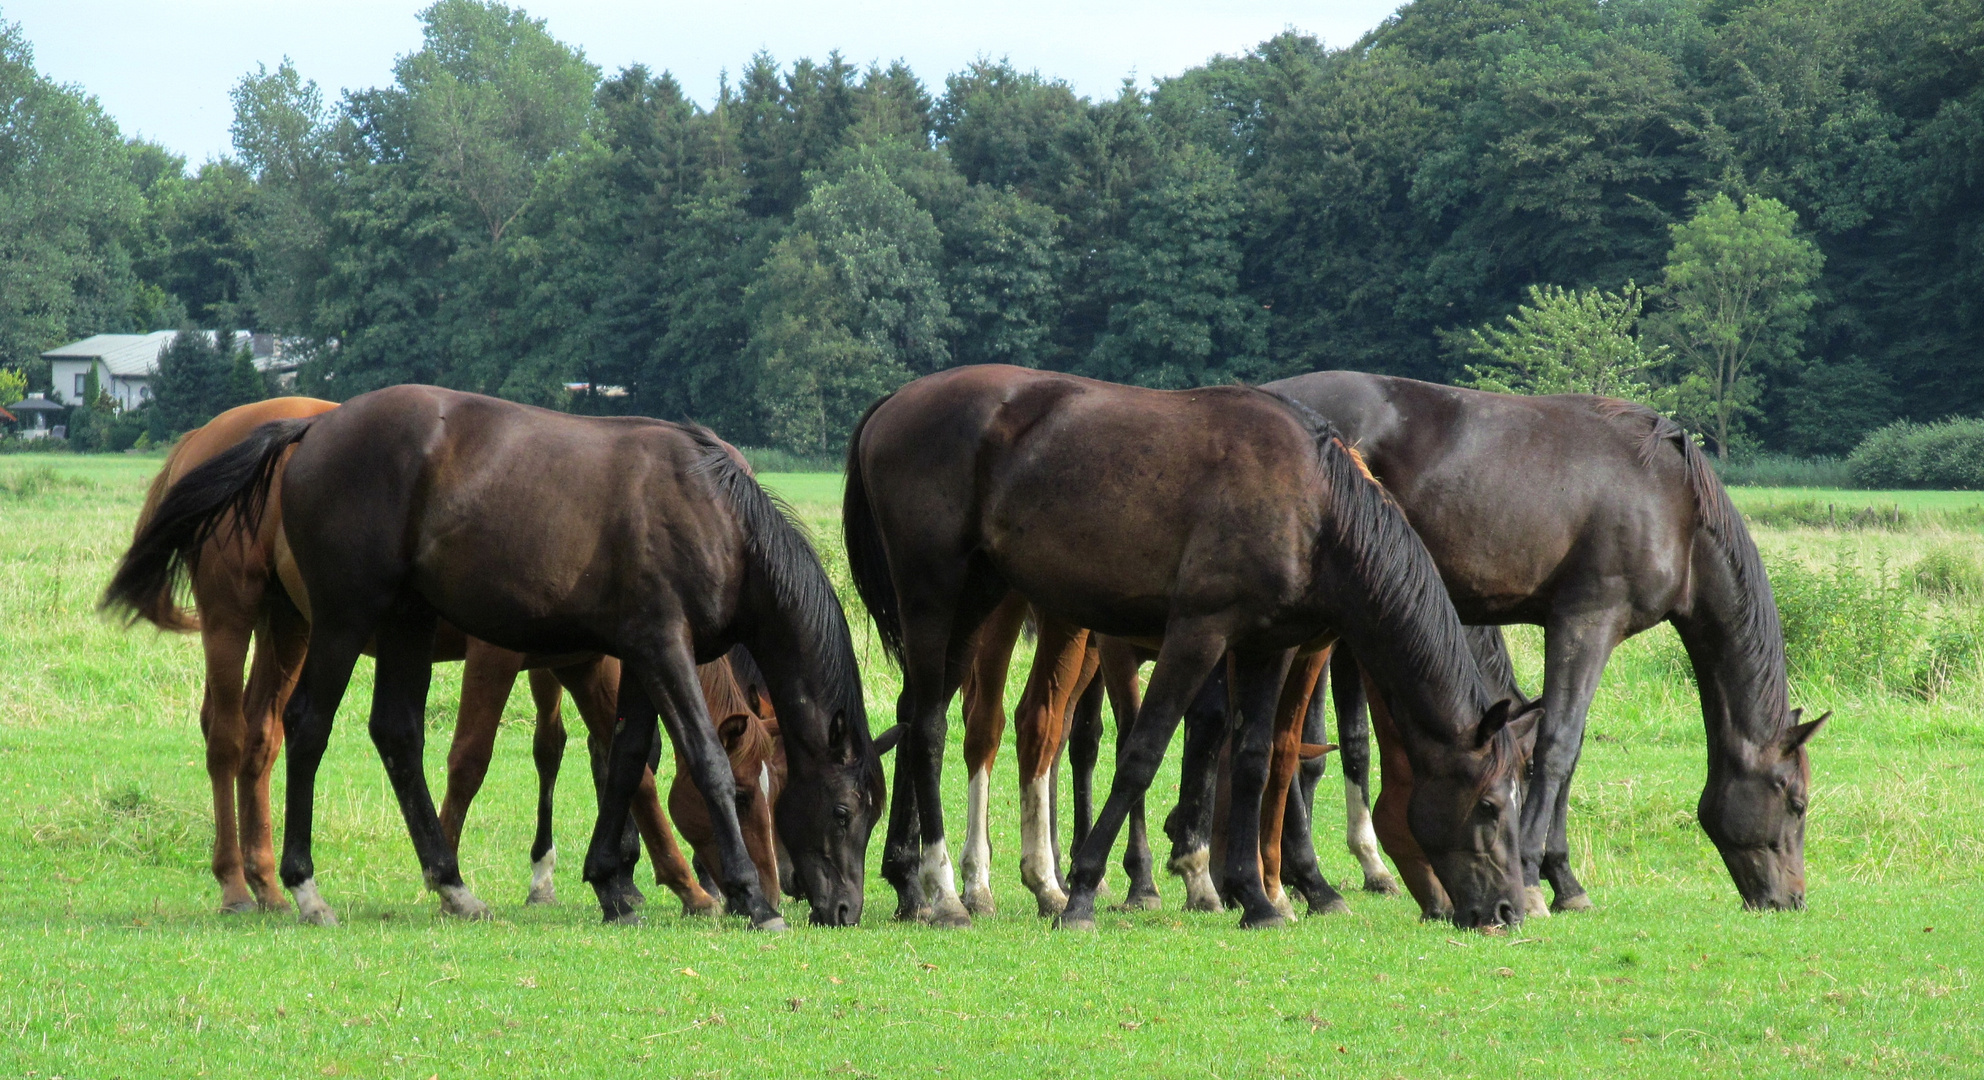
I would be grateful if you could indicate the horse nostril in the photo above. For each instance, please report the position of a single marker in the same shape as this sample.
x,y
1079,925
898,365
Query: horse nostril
x,y
1505,913
842,913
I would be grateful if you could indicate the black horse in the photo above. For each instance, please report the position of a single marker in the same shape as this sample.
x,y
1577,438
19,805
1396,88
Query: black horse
x,y
1208,520
548,534
1597,519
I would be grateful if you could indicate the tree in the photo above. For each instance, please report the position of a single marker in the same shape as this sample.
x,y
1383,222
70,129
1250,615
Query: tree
x,y
195,382
1006,266
1737,292
67,203
1177,316
815,372
1567,341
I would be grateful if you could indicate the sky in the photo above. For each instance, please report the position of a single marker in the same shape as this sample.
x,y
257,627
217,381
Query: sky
x,y
163,68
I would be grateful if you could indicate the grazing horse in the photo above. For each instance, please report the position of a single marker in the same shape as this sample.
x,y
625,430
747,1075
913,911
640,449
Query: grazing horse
x,y
1597,519
1205,520
235,605
547,533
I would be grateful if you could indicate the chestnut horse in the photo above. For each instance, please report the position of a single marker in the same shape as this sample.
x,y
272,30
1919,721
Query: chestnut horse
x,y
1596,519
1214,520
645,540
233,607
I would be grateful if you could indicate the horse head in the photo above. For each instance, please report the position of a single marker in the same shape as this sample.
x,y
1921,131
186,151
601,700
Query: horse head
x,y
1754,811
1464,810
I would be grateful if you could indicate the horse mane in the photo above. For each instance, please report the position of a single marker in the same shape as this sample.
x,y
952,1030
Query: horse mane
x,y
1758,634
778,549
1409,601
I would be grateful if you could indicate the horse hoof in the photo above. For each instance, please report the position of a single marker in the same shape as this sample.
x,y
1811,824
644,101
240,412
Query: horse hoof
x,y
708,909
1266,920
1075,921
457,902
542,896
1577,901
628,917
239,907
978,901
773,925
949,914
1204,902
316,916
1333,906
1533,906
1051,904
1382,884
1140,901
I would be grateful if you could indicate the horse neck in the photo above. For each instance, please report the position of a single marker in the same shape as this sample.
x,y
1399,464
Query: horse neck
x,y
1736,646
795,664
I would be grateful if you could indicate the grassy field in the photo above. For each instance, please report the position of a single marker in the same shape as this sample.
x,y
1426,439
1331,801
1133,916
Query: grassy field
x,y
117,965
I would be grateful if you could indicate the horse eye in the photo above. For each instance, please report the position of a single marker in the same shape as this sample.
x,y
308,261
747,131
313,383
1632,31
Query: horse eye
x,y
1798,807
843,815
1488,808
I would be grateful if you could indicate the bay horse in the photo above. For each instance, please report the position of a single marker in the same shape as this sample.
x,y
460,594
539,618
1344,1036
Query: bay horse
x,y
1205,520
645,540
1597,518
234,606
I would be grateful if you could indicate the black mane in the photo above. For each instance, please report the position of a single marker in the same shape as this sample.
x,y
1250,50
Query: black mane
x,y
1758,633
1409,601
779,549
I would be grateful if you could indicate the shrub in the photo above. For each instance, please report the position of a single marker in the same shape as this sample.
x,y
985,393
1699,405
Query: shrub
x,y
1955,654
1846,626
1813,514
1944,455
1784,470
1946,573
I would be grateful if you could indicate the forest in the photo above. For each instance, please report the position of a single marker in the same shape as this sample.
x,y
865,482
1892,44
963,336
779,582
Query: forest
x,y
769,255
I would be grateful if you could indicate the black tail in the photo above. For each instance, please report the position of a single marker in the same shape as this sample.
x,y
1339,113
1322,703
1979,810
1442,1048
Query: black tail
x,y
865,557
231,489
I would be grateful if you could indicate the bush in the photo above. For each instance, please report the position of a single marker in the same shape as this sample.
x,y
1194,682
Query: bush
x,y
768,459
1947,573
1955,654
1846,626
1948,455
1813,514
1784,470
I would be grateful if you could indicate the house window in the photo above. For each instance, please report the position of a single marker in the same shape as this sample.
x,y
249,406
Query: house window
x,y
80,381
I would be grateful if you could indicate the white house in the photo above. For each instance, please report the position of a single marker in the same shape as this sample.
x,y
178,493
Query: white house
x,y
126,363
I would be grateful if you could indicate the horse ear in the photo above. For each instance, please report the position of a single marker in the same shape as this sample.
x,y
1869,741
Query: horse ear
x,y
730,730
1506,713
1311,751
1801,733
887,740
1527,719
840,747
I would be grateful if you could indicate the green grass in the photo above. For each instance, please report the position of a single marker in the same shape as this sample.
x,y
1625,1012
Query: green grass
x,y
117,964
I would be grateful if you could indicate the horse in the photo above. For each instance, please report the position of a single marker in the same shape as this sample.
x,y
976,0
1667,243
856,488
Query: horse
x,y
1205,520
1597,519
234,605
644,540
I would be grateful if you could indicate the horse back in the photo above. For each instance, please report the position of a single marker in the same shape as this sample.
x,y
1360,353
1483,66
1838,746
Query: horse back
x,y
1520,498
536,530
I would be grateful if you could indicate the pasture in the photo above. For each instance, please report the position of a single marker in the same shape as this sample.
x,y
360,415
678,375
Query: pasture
x,y
117,965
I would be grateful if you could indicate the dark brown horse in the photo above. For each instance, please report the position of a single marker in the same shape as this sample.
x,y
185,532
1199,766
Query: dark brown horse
x,y
1207,520
548,533
1597,519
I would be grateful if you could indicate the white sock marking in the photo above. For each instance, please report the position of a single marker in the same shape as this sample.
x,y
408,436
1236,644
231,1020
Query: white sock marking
x,y
978,833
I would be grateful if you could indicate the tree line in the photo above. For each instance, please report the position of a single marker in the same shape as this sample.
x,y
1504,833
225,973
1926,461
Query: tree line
x,y
1763,216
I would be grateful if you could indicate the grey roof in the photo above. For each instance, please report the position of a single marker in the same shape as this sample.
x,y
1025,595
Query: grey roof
x,y
135,356
36,403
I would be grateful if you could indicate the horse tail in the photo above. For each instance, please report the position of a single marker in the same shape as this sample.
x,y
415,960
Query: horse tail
x,y
866,558
168,542
160,609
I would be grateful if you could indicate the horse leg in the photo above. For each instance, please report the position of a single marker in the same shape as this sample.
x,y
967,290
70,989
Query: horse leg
x,y
1353,736
984,725
1118,671
1390,823
595,686
282,638
1187,656
488,675
1057,664
1257,686
1084,747
398,727
224,726
547,752
1576,646
334,650
1291,714
1300,869
670,681
1190,824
